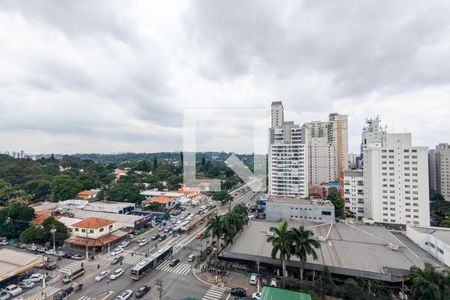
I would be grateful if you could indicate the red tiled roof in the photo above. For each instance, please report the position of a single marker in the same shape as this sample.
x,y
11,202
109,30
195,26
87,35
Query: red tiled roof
x,y
102,241
93,223
87,193
42,215
161,200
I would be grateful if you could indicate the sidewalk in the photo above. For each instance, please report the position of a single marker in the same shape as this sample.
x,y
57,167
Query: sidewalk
x,y
235,279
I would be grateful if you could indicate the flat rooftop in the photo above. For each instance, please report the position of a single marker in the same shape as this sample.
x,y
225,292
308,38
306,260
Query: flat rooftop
x,y
14,262
438,232
347,249
298,200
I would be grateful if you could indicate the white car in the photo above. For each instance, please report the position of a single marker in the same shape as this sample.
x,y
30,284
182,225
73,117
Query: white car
x,y
256,296
4,295
143,242
59,253
116,274
116,251
124,295
124,244
36,277
102,275
26,284
273,282
3,242
50,252
13,290
253,279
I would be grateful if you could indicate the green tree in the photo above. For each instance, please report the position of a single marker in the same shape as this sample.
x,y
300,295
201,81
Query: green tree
x,y
64,187
339,204
33,234
352,290
14,219
222,196
303,245
61,234
124,191
214,228
445,223
429,283
155,163
327,284
39,189
281,244
155,207
144,166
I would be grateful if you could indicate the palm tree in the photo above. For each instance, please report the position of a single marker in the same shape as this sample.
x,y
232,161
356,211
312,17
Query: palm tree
x,y
303,245
281,243
214,227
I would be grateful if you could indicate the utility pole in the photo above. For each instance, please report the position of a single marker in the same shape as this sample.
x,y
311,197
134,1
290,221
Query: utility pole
x,y
160,288
53,232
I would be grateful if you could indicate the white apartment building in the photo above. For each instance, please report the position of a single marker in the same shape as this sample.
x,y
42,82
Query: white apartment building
x,y
320,153
396,181
439,170
354,192
288,166
372,133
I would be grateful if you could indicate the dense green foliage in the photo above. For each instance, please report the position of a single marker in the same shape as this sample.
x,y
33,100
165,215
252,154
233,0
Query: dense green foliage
x,y
440,210
14,219
430,283
352,290
338,202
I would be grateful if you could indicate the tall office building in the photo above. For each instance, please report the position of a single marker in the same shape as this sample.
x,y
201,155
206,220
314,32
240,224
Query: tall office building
x,y
320,153
439,170
396,181
338,136
288,159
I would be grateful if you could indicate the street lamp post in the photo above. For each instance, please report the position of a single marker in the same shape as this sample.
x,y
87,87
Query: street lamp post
x,y
87,248
53,232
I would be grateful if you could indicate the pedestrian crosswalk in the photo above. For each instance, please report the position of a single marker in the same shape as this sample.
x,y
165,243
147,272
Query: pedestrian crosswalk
x,y
181,268
132,259
43,294
85,298
72,265
214,293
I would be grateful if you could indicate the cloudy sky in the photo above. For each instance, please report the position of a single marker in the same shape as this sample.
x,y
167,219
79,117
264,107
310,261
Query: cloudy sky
x,y
112,76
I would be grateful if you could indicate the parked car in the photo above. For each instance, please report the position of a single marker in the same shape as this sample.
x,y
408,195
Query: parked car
x,y
26,284
162,237
59,253
68,255
131,236
142,291
123,295
116,251
191,258
77,257
116,274
20,245
13,290
238,291
36,277
124,244
174,262
155,237
117,259
253,279
3,242
42,250
32,248
4,295
273,282
143,242
102,275
256,296
50,252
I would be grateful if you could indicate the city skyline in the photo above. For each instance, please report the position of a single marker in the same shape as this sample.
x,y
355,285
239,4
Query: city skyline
x,y
119,80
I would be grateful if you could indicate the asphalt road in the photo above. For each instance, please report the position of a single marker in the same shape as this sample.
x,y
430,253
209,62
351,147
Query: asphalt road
x,y
178,282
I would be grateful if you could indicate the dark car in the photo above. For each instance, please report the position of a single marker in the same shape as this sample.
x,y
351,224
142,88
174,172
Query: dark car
x,y
117,259
155,237
68,255
162,237
238,291
174,262
62,294
50,265
142,291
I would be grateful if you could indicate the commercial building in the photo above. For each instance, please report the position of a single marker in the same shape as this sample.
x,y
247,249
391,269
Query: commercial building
x,y
110,207
175,196
396,181
434,240
87,194
363,251
354,192
164,201
288,159
296,208
13,263
439,170
338,137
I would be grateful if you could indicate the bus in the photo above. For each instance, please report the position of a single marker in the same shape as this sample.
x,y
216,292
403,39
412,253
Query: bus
x,y
149,263
73,274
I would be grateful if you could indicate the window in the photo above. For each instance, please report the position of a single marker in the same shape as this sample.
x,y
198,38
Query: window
x,y
111,226
91,231
83,230
77,229
102,229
